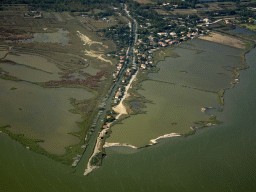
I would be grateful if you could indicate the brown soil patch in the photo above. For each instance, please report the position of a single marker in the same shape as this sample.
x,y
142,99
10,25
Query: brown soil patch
x,y
184,11
144,1
162,12
13,34
223,39
90,81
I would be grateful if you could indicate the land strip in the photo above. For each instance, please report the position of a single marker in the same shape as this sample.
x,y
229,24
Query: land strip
x,y
120,108
224,39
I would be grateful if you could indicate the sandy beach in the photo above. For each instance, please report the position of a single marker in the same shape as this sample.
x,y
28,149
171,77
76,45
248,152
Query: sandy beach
x,y
120,108
154,141
118,144
90,167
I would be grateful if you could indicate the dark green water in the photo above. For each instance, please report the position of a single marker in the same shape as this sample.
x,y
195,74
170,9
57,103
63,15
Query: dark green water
x,y
219,158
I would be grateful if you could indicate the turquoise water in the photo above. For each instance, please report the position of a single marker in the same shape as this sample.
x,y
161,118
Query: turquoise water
x,y
219,158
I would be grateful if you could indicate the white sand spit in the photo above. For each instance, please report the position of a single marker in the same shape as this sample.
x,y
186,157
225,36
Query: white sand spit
x,y
154,141
118,144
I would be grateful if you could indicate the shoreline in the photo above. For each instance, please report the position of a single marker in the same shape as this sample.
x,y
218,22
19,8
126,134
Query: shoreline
x,y
152,142
106,145
220,94
101,145
96,151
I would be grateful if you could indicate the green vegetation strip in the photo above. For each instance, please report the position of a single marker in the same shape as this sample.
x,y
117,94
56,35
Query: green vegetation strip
x,y
71,151
4,75
249,26
160,54
212,121
220,97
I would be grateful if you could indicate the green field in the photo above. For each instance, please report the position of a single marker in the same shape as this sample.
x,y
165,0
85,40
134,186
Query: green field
x,y
249,26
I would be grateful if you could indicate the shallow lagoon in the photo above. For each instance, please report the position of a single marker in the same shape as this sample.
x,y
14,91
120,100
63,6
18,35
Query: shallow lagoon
x,y
220,158
58,37
175,103
41,113
242,30
91,70
29,74
172,104
204,70
34,61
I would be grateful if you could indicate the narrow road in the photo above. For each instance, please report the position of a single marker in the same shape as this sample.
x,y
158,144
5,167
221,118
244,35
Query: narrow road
x,y
120,108
95,141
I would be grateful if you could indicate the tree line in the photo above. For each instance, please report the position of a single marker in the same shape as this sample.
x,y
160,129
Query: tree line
x,y
65,5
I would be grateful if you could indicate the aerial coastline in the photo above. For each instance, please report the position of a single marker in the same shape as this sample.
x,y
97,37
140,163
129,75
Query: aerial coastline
x,y
220,94
131,95
142,44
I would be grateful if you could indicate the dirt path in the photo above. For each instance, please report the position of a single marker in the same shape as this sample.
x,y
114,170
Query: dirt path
x,y
120,108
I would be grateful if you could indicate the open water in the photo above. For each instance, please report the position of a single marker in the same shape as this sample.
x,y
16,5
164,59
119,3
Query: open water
x,y
219,158
174,91
58,37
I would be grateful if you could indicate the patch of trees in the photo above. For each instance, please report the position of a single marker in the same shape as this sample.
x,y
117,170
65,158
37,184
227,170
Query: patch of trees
x,y
65,5
228,0
119,34
246,13
221,13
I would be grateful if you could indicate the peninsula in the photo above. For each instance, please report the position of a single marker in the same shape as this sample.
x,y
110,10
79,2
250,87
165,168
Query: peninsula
x,y
117,73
